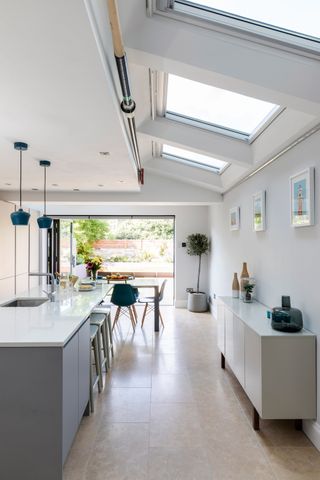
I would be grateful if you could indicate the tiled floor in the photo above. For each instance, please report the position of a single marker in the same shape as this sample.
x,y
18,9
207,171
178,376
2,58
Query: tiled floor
x,y
168,412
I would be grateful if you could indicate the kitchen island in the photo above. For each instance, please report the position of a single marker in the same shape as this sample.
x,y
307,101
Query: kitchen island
x,y
44,378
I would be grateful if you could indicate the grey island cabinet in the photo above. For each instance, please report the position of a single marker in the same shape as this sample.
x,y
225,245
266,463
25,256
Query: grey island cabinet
x,y
44,381
277,370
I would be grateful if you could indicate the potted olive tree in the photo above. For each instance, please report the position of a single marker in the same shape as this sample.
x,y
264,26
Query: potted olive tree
x,y
197,244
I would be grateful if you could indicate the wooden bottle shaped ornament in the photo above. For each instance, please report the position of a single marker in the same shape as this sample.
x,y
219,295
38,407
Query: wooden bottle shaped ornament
x,y
235,286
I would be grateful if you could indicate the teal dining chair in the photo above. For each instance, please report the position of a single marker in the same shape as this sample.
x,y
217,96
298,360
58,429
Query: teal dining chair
x,y
124,297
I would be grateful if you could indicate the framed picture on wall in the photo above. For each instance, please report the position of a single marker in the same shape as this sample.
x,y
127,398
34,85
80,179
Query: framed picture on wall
x,y
302,198
234,218
259,211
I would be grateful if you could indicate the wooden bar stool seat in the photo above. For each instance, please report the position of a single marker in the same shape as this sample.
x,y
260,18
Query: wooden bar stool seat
x,y
105,309
100,320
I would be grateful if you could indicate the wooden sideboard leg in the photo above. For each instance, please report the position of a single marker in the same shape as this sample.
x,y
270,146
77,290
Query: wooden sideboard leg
x,y
223,361
298,424
255,420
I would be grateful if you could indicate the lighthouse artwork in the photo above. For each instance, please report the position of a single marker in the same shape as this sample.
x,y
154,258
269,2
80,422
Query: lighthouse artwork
x,y
301,195
302,198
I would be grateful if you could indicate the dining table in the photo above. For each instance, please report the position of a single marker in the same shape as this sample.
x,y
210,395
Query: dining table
x,y
151,283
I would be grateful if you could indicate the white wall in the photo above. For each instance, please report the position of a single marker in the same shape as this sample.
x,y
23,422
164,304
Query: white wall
x,y
284,260
19,252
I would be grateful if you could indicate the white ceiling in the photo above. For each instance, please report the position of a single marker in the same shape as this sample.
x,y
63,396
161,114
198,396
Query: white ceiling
x,y
54,95
59,92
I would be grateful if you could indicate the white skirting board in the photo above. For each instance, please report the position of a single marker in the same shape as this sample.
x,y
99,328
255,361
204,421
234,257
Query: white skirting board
x,y
180,303
312,429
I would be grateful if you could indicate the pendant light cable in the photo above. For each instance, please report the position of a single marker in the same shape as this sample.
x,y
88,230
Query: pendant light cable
x,y
45,192
20,175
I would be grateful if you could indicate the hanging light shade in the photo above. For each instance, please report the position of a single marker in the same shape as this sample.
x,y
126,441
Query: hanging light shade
x,y
20,217
44,221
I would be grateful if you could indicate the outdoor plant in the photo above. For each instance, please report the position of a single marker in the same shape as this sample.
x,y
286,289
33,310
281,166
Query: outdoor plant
x,y
198,244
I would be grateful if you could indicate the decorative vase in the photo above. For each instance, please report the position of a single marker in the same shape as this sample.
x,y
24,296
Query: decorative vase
x,y
197,302
247,297
244,279
235,286
94,275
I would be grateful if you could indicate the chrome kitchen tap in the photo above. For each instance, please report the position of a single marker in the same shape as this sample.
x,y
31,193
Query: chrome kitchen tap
x,y
51,295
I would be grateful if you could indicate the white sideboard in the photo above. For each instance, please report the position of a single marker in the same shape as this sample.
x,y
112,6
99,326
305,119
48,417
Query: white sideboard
x,y
277,370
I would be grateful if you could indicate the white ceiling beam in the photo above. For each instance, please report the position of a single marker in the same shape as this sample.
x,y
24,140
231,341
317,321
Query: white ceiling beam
x,y
202,141
158,190
228,62
184,173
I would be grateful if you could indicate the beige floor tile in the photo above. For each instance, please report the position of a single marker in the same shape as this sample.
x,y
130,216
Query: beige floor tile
x,y
240,463
281,433
171,388
179,464
302,463
127,405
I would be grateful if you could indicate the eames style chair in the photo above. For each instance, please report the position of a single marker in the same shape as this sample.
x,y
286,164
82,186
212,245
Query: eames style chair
x,y
149,304
123,296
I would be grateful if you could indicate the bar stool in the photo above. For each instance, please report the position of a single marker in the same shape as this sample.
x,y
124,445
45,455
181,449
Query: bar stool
x,y
99,319
105,309
96,348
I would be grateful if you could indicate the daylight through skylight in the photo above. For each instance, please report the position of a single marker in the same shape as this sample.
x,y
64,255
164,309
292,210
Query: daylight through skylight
x,y
193,159
293,15
215,106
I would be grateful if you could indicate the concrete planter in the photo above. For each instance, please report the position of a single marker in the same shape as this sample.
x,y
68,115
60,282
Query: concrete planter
x,y
197,302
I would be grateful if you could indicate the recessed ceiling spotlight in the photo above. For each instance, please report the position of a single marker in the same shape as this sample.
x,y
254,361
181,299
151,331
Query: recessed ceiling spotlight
x,y
105,154
34,189
8,184
54,185
76,189
121,181
100,185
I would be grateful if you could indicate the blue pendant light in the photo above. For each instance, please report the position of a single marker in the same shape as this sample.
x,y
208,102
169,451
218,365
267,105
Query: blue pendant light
x,y
20,217
44,221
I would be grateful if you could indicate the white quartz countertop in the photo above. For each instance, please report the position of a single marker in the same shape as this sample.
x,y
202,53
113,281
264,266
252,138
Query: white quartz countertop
x,y
51,324
254,315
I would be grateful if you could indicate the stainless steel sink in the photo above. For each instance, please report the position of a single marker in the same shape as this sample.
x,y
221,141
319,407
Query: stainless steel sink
x,y
25,302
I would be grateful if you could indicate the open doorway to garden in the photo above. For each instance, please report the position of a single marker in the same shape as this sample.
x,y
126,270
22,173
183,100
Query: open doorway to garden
x,y
138,246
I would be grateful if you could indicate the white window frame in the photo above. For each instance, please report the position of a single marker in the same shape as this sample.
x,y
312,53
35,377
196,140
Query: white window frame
x,y
157,151
232,24
159,86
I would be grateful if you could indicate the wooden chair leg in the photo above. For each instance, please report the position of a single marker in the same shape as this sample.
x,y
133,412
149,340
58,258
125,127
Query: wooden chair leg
x,y
116,317
144,314
135,314
132,317
160,316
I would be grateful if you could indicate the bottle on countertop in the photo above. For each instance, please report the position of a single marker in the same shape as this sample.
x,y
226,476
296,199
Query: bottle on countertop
x,y
235,286
244,279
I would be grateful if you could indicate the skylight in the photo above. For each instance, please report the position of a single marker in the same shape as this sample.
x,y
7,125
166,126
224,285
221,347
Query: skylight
x,y
294,16
215,108
193,159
